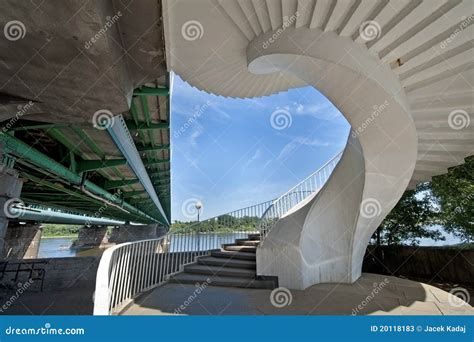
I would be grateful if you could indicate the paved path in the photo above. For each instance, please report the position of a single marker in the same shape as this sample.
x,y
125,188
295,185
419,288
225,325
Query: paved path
x,y
371,294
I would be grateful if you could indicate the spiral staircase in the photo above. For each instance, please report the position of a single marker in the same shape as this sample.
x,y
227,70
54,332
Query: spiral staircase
x,y
401,72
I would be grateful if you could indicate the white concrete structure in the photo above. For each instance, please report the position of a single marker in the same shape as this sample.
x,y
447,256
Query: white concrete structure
x,y
401,72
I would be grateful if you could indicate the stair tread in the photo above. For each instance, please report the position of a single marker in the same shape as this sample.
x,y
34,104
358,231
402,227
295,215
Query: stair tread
x,y
233,255
237,261
247,242
228,262
189,278
220,271
240,248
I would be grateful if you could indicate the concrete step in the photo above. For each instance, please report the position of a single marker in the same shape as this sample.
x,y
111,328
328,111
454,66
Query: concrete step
x,y
188,278
254,236
226,262
233,255
220,271
237,248
246,242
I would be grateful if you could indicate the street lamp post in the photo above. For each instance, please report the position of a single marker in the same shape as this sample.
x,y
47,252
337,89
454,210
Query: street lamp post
x,y
198,207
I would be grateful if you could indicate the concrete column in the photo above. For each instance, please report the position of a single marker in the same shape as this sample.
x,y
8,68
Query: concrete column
x,y
22,241
129,233
10,189
93,236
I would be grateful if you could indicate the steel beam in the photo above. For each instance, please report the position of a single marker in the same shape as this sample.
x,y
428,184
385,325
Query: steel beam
x,y
24,152
143,126
155,162
153,148
89,165
148,91
53,216
119,183
122,138
128,194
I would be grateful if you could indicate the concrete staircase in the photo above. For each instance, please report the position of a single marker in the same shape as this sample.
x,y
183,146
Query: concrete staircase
x,y
233,265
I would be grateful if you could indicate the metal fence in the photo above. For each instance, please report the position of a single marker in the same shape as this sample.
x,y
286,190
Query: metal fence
x,y
310,185
129,269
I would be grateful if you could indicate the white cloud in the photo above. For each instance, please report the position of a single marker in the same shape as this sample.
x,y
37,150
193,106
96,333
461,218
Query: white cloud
x,y
255,157
289,148
197,131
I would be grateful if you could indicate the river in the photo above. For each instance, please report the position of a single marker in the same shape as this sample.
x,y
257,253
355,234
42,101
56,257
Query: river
x,y
60,247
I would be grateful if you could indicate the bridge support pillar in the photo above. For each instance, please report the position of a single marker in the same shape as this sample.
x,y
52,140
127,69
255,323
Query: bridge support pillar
x,y
129,233
22,241
10,189
93,236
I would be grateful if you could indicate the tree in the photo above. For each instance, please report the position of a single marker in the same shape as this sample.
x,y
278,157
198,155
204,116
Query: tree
x,y
454,193
411,219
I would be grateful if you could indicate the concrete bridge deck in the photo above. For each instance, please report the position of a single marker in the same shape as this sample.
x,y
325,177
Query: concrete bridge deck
x,y
396,297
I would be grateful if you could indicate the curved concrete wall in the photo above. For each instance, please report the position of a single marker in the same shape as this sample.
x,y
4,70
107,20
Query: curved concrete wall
x,y
312,244
362,89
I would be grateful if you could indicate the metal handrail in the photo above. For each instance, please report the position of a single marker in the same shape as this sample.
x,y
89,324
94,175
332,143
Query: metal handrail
x,y
129,269
309,186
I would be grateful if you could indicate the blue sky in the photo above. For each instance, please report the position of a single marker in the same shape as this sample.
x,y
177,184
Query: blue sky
x,y
227,153
232,153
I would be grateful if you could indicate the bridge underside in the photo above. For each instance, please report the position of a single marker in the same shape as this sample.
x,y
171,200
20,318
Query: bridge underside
x,y
65,80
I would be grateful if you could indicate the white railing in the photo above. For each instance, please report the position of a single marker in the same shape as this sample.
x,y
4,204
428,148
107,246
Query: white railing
x,y
129,269
295,195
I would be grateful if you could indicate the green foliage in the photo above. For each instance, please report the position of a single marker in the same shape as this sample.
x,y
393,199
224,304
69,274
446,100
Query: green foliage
x,y
454,193
447,201
50,230
410,220
221,224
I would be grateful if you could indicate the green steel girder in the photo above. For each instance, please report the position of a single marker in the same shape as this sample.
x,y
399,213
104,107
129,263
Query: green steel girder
x,y
153,148
128,194
119,183
157,162
24,152
146,111
59,136
164,181
158,176
89,142
132,126
89,165
148,91
29,124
